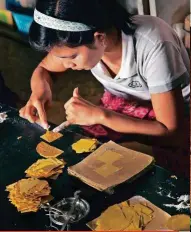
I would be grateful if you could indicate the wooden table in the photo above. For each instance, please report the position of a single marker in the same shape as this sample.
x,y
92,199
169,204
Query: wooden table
x,y
17,155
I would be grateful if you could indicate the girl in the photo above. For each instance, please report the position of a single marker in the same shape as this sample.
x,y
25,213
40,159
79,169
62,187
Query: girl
x,y
139,60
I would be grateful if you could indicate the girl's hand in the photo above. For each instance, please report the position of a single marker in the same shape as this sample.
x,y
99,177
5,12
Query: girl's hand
x,y
82,112
35,109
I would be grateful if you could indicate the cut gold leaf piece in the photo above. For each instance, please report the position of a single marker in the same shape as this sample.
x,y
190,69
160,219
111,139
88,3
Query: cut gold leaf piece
x,y
112,219
51,136
140,208
179,222
84,145
132,227
107,170
123,217
47,151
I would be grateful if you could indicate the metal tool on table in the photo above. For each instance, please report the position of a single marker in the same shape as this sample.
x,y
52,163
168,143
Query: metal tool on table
x,y
67,211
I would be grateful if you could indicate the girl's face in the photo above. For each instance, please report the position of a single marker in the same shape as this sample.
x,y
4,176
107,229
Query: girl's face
x,y
82,57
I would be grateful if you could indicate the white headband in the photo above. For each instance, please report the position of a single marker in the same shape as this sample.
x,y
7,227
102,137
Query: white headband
x,y
58,24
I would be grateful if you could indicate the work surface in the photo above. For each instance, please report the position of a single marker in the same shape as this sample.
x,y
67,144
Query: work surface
x,y
16,155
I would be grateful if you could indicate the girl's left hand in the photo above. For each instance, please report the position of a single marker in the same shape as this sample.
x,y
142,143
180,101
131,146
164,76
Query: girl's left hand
x,y
82,112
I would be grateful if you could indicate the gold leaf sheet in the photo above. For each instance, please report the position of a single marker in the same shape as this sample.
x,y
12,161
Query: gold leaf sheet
x,y
84,145
47,151
26,195
51,136
179,222
45,168
139,214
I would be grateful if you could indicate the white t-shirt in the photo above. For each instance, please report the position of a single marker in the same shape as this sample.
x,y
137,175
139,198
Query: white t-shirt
x,y
154,60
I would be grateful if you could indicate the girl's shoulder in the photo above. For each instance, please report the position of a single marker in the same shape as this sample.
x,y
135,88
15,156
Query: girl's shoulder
x,y
153,30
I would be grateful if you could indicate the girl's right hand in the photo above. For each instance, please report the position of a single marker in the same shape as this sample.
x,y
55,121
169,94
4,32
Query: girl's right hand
x,y
41,97
35,109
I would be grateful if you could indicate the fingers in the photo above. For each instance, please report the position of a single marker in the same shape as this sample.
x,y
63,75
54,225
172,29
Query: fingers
x,y
76,92
42,114
70,119
35,113
30,112
21,112
72,100
75,99
72,112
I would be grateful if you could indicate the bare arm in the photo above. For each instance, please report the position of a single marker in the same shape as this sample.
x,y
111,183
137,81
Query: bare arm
x,y
41,86
166,130
42,73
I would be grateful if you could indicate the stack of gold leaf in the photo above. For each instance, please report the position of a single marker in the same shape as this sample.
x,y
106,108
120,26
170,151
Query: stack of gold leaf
x,y
85,145
123,217
45,168
28,194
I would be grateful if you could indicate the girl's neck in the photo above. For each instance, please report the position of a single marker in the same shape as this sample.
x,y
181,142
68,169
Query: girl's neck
x,y
112,57
114,45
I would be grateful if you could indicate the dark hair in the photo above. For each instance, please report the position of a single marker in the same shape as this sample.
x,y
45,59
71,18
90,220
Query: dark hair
x,y
101,15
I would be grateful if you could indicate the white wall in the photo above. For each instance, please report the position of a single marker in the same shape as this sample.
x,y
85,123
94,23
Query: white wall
x,y
172,11
130,5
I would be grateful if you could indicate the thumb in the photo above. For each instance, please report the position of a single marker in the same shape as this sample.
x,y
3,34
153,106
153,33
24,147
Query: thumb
x,y
76,92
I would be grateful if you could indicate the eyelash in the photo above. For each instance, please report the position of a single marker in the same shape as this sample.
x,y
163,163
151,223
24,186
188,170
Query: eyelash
x,y
73,57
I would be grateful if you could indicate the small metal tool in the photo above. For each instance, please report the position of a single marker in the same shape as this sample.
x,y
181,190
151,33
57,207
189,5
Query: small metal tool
x,y
67,211
61,127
